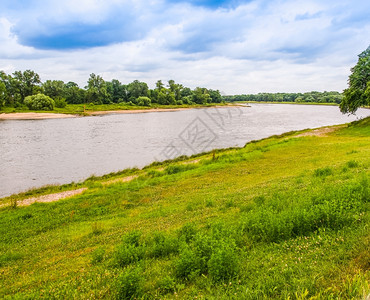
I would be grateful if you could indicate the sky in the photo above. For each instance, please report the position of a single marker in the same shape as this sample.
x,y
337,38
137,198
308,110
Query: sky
x,y
237,46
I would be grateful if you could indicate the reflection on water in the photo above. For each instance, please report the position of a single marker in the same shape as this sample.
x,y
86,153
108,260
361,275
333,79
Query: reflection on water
x,y
39,152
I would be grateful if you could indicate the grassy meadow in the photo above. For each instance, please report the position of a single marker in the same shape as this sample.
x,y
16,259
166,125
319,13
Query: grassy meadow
x,y
282,218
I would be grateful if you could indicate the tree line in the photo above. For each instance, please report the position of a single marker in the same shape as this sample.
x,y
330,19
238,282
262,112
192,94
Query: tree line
x,y
317,97
15,88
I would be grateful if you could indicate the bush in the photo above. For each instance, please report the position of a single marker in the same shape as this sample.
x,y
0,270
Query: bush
x,y
323,172
129,284
187,264
39,102
187,232
143,101
352,164
128,254
223,263
97,256
60,102
166,284
130,250
163,245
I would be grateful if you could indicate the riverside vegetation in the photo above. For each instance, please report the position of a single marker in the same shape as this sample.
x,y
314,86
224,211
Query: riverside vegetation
x,y
281,218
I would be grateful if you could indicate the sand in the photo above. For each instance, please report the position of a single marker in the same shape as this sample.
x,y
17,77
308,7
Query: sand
x,y
40,116
34,116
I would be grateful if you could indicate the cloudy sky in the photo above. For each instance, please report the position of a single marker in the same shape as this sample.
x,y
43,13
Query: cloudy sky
x,y
235,46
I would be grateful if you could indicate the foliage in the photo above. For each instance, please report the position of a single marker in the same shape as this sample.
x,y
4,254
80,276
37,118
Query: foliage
x,y
13,90
97,90
60,102
358,92
3,94
39,102
129,284
143,101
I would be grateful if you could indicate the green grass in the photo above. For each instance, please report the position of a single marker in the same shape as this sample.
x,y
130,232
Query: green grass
x,y
281,218
90,108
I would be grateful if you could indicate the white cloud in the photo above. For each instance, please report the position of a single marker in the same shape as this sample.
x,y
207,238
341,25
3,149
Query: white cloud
x,y
255,47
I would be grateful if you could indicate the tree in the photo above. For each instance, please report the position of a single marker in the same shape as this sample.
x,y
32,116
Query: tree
x,y
117,91
97,90
358,92
73,93
137,89
201,96
53,88
26,83
3,94
215,96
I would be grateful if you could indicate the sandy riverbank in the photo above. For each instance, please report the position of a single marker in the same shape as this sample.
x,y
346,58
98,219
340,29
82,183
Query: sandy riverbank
x,y
37,116
34,116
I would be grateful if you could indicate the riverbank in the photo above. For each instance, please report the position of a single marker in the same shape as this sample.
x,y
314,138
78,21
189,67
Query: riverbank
x,y
275,102
76,110
263,221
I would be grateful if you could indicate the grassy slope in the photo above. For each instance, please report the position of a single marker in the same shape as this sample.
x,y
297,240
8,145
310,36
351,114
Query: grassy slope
x,y
282,217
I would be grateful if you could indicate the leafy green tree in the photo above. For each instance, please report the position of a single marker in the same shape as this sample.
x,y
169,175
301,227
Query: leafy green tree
x,y
201,96
358,92
215,96
117,91
26,83
159,85
54,88
97,90
73,93
3,94
39,102
176,89
166,97
137,89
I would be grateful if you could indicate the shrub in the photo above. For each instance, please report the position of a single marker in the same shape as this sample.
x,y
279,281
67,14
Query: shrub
x,y
166,284
130,250
223,263
97,256
187,232
60,102
128,254
143,101
323,172
132,238
39,102
163,245
129,284
187,264
352,164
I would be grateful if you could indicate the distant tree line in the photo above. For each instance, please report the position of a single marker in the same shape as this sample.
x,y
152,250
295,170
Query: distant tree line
x,y
15,88
318,97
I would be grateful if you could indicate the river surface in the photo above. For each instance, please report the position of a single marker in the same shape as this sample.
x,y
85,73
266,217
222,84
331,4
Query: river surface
x,y
34,153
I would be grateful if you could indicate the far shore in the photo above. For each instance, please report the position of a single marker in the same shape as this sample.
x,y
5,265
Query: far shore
x,y
44,115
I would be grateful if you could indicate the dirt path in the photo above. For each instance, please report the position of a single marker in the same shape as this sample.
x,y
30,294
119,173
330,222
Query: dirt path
x,y
321,131
51,197
124,179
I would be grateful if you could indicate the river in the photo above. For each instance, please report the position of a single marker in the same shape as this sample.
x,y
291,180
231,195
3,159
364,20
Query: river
x,y
34,153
